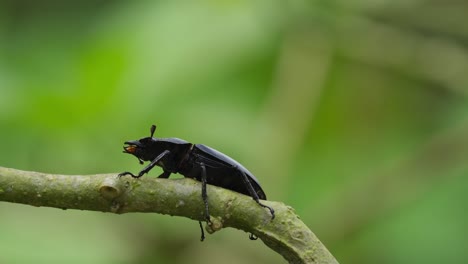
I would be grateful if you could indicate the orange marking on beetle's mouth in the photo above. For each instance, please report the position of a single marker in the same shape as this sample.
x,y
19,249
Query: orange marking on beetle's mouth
x,y
130,149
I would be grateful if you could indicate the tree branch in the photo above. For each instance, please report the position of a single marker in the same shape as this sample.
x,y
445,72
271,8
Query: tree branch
x,y
286,234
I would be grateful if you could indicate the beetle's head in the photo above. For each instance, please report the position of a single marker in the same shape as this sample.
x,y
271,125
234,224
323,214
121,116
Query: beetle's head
x,y
141,148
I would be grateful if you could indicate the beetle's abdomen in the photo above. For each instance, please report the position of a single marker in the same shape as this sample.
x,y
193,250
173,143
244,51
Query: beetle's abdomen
x,y
221,170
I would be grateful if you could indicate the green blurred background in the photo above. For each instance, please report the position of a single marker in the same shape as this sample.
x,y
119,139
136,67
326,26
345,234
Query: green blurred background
x,y
355,113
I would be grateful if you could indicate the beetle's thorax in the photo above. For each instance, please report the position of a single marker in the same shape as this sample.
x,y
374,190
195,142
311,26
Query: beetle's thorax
x,y
178,154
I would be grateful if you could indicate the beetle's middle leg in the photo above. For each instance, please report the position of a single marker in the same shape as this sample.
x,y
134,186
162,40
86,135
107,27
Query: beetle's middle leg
x,y
204,194
254,194
165,174
205,200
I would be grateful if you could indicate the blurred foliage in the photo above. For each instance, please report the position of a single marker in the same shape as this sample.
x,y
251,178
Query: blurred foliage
x,y
353,112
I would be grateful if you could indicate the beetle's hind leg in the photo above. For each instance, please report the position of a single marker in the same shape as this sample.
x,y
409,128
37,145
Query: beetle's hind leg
x,y
254,194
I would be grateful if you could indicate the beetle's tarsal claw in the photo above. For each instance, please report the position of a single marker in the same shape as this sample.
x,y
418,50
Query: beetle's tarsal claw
x,y
202,237
253,237
272,212
126,173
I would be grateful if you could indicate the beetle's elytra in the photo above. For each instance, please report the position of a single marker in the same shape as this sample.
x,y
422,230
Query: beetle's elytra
x,y
195,161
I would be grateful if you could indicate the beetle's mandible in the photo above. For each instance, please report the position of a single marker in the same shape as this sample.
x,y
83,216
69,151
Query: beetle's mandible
x,y
198,162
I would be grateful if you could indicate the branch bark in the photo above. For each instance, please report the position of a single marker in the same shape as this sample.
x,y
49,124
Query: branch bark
x,y
286,234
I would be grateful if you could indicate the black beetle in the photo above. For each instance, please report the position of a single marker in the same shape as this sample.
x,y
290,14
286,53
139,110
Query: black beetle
x,y
198,162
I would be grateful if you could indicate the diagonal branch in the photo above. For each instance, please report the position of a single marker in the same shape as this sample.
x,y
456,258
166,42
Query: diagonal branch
x,y
286,234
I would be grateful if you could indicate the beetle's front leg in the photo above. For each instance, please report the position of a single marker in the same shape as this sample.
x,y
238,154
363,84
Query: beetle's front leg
x,y
147,168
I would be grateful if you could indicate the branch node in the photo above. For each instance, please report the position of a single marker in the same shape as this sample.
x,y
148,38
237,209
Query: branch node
x,y
110,188
216,224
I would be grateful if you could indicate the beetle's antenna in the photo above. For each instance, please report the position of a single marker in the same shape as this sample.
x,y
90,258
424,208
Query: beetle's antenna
x,y
153,128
